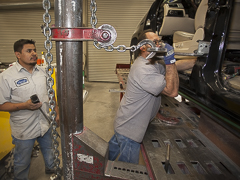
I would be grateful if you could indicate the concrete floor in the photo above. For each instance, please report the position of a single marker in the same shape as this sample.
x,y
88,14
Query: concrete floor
x,y
99,110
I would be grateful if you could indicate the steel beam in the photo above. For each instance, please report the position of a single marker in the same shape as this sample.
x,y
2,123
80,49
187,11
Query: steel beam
x,y
69,79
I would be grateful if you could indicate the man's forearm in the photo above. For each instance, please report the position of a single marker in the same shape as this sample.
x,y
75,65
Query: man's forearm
x,y
10,107
185,64
172,81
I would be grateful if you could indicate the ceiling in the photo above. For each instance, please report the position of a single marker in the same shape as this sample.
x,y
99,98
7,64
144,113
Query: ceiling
x,y
21,1
18,4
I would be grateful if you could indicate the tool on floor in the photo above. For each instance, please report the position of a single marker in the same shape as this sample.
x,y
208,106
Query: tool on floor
x,y
116,90
166,167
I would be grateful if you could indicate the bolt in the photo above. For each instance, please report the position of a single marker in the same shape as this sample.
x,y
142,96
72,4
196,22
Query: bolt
x,y
105,35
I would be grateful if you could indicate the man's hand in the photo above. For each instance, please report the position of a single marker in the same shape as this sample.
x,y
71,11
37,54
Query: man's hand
x,y
169,58
10,107
32,106
57,119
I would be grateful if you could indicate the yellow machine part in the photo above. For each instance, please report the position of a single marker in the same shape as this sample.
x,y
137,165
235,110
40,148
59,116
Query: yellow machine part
x,y
5,130
6,139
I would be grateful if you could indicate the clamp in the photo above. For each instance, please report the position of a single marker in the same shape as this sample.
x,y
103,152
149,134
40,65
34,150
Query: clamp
x,y
105,34
153,50
203,49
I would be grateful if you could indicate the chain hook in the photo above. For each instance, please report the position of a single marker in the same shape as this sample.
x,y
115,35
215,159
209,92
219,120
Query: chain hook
x,y
151,43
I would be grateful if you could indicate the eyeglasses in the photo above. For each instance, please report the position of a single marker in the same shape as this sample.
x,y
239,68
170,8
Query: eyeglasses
x,y
158,42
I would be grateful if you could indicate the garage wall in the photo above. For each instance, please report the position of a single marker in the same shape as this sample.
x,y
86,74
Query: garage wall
x,y
124,16
18,24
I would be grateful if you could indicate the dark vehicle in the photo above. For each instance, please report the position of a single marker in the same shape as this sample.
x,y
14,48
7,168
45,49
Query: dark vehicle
x,y
210,31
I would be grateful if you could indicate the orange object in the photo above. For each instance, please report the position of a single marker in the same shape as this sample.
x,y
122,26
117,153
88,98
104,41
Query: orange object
x,y
40,61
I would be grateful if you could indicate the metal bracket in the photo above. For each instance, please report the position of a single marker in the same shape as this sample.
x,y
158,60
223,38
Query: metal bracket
x,y
105,34
159,51
203,48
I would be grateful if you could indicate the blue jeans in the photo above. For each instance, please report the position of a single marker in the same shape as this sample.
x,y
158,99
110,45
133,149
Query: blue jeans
x,y
23,152
128,149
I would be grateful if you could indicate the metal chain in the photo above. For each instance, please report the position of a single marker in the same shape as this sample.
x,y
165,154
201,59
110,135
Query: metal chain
x,y
119,48
93,21
93,9
50,83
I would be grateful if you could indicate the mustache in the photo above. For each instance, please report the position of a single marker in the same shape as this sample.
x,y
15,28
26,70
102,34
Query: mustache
x,y
34,57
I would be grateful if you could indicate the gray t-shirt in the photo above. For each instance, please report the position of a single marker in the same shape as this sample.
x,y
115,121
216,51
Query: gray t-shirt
x,y
16,86
142,99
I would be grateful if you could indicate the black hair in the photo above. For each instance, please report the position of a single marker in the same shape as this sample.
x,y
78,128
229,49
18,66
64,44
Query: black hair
x,y
143,36
18,45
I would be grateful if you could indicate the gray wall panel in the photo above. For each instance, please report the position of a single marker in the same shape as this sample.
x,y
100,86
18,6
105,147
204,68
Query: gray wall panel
x,y
124,16
18,24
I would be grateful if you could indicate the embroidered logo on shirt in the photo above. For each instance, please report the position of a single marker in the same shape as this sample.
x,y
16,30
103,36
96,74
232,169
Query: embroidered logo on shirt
x,y
21,82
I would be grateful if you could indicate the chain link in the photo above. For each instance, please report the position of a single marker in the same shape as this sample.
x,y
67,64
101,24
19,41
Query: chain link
x,y
110,48
93,9
119,48
50,83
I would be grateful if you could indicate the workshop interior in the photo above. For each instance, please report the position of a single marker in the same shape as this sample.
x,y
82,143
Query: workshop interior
x,y
89,42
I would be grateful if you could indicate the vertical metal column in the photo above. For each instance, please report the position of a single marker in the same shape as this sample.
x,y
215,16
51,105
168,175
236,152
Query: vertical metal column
x,y
68,13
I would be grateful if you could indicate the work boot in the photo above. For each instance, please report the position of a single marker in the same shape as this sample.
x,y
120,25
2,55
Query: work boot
x,y
49,171
52,171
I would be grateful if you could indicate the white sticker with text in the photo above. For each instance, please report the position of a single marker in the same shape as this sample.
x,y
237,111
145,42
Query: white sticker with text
x,y
85,158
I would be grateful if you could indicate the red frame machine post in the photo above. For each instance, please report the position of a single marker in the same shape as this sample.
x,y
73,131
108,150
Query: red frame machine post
x,y
84,154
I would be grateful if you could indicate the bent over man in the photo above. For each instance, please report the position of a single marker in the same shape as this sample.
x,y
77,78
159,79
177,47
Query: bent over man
x,y
147,80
